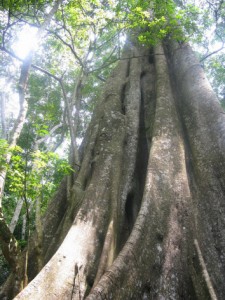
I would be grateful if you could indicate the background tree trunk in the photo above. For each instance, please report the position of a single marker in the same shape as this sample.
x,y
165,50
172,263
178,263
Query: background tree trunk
x,y
16,215
3,121
146,212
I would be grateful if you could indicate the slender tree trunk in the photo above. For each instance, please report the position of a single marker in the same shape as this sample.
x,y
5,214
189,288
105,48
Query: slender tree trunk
x,y
16,215
39,231
3,122
24,226
147,208
24,223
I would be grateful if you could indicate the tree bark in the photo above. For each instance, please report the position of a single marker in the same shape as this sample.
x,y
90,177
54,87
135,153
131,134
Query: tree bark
x,y
16,215
39,236
146,216
204,129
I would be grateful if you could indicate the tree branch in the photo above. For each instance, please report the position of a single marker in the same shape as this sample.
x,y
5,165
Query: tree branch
x,y
41,140
212,53
69,46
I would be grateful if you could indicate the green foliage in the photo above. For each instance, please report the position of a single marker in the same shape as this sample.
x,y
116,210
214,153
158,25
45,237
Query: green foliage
x,y
215,67
4,269
32,175
4,147
16,173
41,129
20,5
28,174
22,244
164,19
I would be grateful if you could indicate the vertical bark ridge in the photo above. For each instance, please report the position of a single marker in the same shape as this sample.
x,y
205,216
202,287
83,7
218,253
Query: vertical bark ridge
x,y
124,168
147,109
133,107
105,164
148,80
80,251
204,130
89,156
75,195
156,269
51,222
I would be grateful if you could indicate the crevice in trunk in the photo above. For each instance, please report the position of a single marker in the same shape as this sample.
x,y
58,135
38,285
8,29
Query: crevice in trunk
x,y
148,92
130,211
125,89
128,68
134,197
123,99
151,58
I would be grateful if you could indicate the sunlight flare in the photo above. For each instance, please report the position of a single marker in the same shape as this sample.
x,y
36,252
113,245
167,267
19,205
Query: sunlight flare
x,y
26,41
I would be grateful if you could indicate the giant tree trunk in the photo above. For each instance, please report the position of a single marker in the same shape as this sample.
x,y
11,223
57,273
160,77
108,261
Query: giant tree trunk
x,y
146,216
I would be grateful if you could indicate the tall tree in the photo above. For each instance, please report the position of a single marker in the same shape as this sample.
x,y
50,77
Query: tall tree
x,y
151,188
145,216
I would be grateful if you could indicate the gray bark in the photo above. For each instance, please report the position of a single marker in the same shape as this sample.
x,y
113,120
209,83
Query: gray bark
x,y
24,217
39,235
204,130
16,215
146,212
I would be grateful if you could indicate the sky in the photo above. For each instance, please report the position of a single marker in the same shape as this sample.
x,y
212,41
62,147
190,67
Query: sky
x,y
26,41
